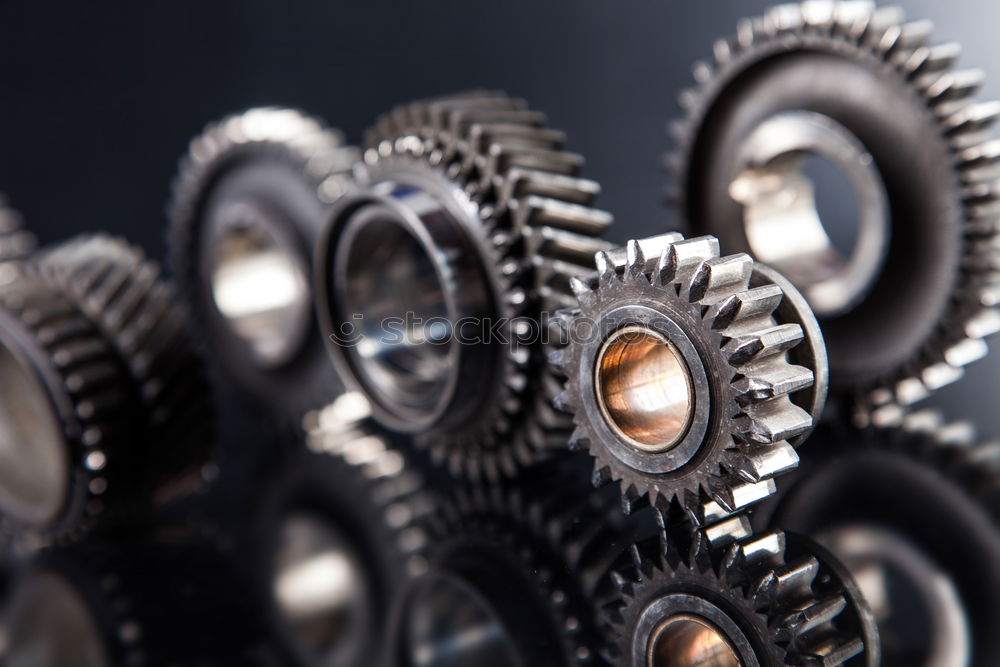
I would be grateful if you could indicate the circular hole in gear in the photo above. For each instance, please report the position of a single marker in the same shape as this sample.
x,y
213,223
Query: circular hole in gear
x,y
690,641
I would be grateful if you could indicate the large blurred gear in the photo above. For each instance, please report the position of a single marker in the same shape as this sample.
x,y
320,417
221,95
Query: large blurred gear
x,y
768,601
69,437
332,538
469,222
15,241
510,578
136,310
248,205
678,377
912,512
158,602
792,93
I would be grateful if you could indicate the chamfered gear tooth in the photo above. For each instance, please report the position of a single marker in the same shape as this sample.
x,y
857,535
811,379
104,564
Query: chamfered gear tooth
x,y
854,32
806,613
527,216
710,299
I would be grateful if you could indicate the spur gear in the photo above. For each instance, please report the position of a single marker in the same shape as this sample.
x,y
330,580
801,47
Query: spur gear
x,y
467,225
785,108
248,204
912,513
136,310
513,570
678,378
766,601
333,536
15,241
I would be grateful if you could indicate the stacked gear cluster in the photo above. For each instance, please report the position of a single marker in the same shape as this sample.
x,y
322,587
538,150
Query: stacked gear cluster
x,y
462,429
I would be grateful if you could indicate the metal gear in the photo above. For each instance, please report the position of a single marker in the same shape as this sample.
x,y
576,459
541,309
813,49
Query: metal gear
x,y
349,506
768,600
249,201
468,211
516,568
15,241
67,398
137,312
910,306
678,378
912,512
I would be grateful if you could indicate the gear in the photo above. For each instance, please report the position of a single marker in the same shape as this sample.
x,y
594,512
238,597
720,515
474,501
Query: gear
x,y
249,201
15,241
470,214
909,306
678,378
353,501
66,416
912,512
515,567
767,600
123,293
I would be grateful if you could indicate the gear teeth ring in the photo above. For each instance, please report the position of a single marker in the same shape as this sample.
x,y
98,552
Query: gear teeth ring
x,y
737,363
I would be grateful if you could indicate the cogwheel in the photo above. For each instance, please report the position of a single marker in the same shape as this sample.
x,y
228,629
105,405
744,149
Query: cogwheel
x,y
353,500
65,416
468,222
15,241
767,600
248,204
678,378
908,307
912,512
519,564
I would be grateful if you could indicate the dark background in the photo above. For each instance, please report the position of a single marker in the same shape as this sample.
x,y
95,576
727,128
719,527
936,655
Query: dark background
x,y
99,100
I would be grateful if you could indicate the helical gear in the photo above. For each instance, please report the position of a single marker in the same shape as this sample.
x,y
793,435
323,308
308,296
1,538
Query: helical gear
x,y
737,442
958,131
533,226
779,599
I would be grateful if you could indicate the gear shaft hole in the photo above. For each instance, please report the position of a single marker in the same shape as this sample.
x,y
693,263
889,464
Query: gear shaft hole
x,y
690,641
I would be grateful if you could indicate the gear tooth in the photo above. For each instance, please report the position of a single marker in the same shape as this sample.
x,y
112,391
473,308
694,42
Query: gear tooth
x,y
771,380
579,441
763,549
741,311
727,532
761,462
802,621
879,21
636,259
899,41
718,277
606,269
754,346
737,494
930,59
973,118
722,51
772,421
966,351
632,499
954,85
684,258
785,17
831,651
937,376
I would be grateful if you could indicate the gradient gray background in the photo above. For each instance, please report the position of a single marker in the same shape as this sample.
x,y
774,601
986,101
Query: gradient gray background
x,y
98,100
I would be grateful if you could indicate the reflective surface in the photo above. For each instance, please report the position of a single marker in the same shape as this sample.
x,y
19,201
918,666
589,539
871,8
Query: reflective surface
x,y
447,624
321,590
50,625
644,388
260,287
34,466
690,641
919,613
833,265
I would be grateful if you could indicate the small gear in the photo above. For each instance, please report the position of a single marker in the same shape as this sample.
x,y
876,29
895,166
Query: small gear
x,y
909,306
349,507
15,241
678,377
137,312
469,215
516,567
767,600
66,416
912,511
248,205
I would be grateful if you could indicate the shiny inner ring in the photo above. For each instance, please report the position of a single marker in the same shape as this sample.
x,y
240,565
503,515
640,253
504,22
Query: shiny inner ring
x,y
395,297
644,388
34,466
50,625
260,286
448,625
918,609
777,185
686,640
320,587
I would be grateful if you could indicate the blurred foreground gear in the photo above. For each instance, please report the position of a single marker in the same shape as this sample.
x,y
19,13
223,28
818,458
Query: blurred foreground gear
x,y
788,100
509,578
679,379
437,273
331,540
248,205
768,601
15,241
913,513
